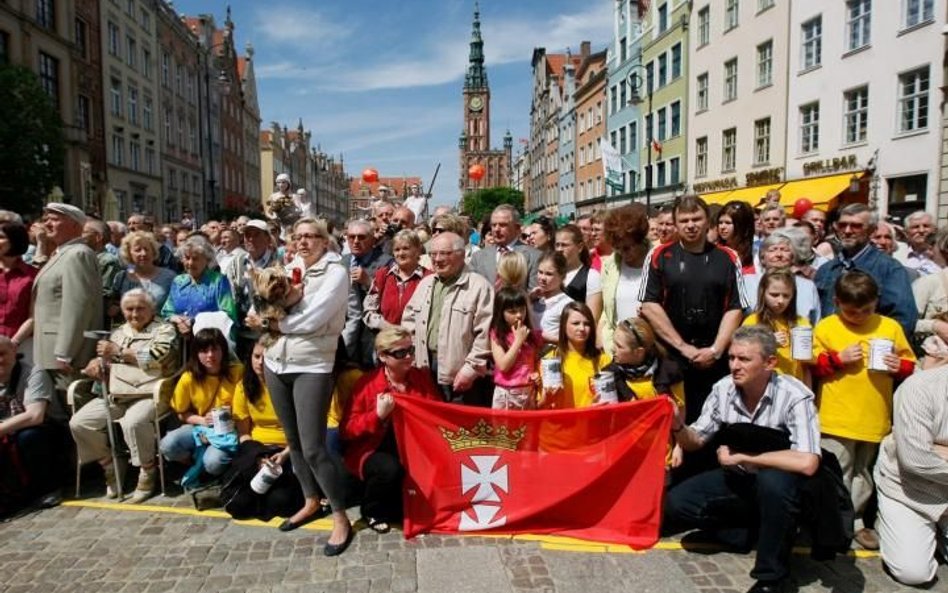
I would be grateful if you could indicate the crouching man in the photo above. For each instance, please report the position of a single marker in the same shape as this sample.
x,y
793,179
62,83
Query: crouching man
x,y
765,487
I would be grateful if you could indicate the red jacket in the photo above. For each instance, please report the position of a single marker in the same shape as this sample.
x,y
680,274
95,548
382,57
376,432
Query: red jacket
x,y
393,294
361,428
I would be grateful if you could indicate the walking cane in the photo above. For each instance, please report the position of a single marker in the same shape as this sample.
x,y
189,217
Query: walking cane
x,y
103,364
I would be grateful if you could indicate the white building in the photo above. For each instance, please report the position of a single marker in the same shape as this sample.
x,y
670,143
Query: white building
x,y
737,110
863,92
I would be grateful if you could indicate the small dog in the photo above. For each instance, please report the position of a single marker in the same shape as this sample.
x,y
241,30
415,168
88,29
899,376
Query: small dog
x,y
274,293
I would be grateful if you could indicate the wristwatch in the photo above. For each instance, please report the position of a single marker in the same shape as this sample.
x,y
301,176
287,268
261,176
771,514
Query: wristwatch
x,y
715,353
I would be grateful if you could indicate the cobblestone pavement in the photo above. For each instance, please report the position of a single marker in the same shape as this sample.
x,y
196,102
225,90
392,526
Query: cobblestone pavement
x,y
168,546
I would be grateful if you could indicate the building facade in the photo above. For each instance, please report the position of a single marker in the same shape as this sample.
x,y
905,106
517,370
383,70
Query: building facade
x,y
251,127
285,151
739,60
590,98
361,193
943,191
566,149
541,187
89,117
623,115
474,142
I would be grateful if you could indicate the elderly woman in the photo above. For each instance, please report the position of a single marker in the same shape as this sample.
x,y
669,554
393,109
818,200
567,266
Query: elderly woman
x,y
735,226
16,284
201,288
142,350
298,369
366,427
138,251
931,299
393,285
778,250
626,229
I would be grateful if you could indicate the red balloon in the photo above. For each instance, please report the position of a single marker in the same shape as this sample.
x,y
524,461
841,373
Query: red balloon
x,y
370,176
476,172
801,206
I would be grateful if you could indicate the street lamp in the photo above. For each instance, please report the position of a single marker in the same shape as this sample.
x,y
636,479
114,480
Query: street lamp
x,y
635,80
222,83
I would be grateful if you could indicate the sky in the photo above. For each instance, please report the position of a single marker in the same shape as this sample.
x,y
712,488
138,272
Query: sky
x,y
380,82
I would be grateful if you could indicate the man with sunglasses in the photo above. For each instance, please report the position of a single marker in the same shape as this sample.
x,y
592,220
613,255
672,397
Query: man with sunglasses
x,y
854,228
364,259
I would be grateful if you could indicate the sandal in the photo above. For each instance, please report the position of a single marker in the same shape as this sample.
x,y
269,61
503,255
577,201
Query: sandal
x,y
378,526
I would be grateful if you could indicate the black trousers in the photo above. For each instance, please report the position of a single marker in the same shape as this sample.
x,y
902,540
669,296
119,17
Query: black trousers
x,y
738,506
42,452
382,496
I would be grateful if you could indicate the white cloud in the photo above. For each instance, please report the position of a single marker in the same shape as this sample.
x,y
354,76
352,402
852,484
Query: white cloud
x,y
286,24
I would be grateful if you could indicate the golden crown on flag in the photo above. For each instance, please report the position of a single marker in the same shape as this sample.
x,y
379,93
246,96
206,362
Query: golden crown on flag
x,y
483,434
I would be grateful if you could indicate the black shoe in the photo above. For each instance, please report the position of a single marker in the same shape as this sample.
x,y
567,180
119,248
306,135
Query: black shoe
x,y
319,513
336,549
766,587
50,500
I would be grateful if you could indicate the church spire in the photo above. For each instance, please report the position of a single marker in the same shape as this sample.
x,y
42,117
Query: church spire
x,y
476,77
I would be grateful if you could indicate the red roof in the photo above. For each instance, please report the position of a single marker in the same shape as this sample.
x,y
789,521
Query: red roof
x,y
241,66
399,185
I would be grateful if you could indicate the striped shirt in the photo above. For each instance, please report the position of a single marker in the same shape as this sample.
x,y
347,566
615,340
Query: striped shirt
x,y
787,405
909,471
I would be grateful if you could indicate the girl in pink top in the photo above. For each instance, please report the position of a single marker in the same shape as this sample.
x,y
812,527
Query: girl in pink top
x,y
515,346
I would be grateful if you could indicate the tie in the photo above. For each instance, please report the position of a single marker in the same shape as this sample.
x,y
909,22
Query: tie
x,y
503,249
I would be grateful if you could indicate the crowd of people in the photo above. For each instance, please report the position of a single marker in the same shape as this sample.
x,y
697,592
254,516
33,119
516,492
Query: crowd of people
x,y
791,347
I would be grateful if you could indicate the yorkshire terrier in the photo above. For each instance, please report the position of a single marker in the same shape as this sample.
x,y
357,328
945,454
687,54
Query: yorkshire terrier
x,y
274,293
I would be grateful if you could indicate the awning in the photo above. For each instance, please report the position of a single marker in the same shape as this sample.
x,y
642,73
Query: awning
x,y
753,195
720,197
819,190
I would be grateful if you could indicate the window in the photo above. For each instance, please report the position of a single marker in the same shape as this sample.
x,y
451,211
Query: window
x,y
810,128
729,150
663,18
118,150
649,77
145,19
179,79
623,50
114,48
858,17
676,61
115,92
150,162
621,140
131,53
81,35
165,70
701,156
633,135
4,47
813,42
856,116
674,171
730,15
84,112
763,5
730,80
649,130
46,14
762,141
148,115
133,106
704,26
702,92
662,70
146,64
135,154
49,76
765,63
130,7
918,11
613,92
192,137
623,101
168,135
676,119
913,100
660,174
662,124
188,81
181,132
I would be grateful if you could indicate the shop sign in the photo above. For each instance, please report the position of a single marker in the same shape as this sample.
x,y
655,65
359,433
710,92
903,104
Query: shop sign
x,y
844,163
716,185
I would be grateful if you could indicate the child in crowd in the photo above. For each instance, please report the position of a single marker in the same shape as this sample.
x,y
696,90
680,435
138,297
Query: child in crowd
x,y
643,370
512,271
855,392
515,346
548,297
777,309
580,358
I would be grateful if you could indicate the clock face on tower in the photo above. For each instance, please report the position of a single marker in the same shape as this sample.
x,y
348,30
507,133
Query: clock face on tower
x,y
476,103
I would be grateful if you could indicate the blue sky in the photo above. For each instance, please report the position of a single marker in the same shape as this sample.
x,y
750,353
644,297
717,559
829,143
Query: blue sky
x,y
380,81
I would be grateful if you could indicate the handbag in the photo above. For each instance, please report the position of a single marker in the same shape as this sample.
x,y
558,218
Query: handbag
x,y
128,380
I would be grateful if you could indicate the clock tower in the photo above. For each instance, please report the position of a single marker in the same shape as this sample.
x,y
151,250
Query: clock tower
x,y
474,142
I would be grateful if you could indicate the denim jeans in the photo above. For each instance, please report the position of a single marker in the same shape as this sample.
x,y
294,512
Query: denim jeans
x,y
737,505
178,445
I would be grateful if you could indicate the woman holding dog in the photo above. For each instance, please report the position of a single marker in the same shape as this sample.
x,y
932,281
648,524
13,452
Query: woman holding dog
x,y
298,370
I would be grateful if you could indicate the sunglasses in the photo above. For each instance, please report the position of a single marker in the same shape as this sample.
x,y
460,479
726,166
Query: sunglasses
x,y
629,325
437,230
357,237
401,353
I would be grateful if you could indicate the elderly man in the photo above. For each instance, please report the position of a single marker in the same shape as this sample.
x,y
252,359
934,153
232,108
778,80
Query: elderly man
x,y
772,217
363,260
505,229
416,202
763,486
35,419
919,229
912,479
855,225
450,314
67,298
258,253
95,233
117,232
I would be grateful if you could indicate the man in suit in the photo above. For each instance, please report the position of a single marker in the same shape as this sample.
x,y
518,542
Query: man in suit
x,y
67,298
505,230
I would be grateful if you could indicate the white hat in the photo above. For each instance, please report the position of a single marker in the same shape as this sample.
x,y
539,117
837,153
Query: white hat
x,y
301,191
258,224
66,210
283,177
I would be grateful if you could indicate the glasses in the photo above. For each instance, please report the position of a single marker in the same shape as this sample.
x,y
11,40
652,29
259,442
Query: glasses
x,y
856,226
307,236
437,230
401,353
525,236
357,237
435,254
629,325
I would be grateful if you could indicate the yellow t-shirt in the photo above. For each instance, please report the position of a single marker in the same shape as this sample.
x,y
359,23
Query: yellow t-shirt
x,y
785,362
341,394
577,371
856,403
201,396
265,426
644,389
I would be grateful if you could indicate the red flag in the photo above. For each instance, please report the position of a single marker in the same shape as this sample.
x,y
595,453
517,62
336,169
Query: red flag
x,y
657,146
595,473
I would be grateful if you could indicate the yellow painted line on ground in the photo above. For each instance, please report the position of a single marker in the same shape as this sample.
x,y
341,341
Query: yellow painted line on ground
x,y
547,542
